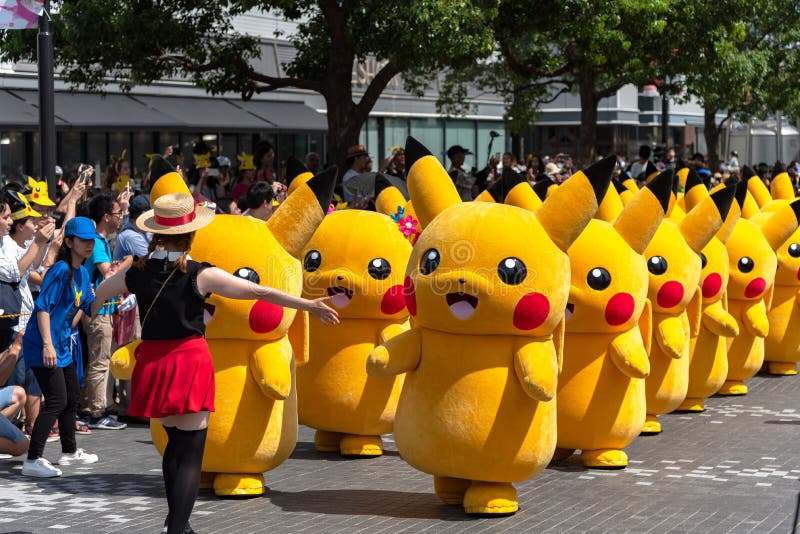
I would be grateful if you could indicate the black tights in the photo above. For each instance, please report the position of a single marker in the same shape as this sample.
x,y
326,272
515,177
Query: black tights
x,y
182,463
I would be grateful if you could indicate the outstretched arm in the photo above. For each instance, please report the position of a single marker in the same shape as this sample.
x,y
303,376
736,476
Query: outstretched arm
x,y
110,287
214,280
398,355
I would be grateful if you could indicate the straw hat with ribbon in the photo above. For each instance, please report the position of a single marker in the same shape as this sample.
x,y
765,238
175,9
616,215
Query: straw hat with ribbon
x,y
174,213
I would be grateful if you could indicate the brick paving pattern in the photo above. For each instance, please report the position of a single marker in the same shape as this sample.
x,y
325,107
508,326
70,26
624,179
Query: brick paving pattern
x,y
734,468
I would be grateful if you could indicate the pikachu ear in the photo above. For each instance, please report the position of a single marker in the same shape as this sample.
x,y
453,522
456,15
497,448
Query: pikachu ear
x,y
639,220
694,190
705,219
756,187
387,197
431,188
651,171
164,179
523,196
31,182
498,191
750,207
297,218
781,224
542,188
781,187
630,185
569,208
296,174
612,205
683,176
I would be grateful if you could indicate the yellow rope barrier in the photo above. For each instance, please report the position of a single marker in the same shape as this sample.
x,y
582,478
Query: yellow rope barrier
x,y
10,315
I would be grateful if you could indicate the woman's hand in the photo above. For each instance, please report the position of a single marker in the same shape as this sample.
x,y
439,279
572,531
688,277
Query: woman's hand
x,y
48,355
322,311
44,233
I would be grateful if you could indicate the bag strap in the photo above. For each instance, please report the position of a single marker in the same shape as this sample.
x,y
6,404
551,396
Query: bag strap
x,y
147,314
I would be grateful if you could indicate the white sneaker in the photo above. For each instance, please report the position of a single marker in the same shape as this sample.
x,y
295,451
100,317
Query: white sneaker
x,y
80,456
41,468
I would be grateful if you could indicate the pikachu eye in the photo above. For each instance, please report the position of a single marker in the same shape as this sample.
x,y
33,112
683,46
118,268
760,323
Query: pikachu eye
x,y
430,261
794,250
379,269
312,261
703,260
746,264
657,265
512,271
247,273
598,279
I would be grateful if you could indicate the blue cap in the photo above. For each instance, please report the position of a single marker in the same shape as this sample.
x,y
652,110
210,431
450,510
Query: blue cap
x,y
81,227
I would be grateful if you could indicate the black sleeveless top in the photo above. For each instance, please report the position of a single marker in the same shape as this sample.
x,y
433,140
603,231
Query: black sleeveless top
x,y
178,312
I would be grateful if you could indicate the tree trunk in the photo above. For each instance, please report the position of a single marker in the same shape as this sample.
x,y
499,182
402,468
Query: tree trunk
x,y
344,127
711,133
587,131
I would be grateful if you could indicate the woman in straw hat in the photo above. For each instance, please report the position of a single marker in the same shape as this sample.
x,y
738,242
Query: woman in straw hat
x,y
173,379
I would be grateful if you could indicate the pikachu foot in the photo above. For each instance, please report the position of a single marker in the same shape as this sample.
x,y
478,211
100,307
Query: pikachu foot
x,y
692,405
605,459
450,490
781,368
238,485
651,425
360,446
733,387
490,498
325,441
561,454
207,480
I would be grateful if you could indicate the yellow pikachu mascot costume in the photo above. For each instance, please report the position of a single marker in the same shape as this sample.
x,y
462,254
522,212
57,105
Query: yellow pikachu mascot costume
x,y
358,258
708,346
673,259
477,410
782,344
601,400
254,427
753,265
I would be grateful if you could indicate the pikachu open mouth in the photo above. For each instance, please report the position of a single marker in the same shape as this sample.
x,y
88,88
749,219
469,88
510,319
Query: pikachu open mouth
x,y
340,296
208,312
462,305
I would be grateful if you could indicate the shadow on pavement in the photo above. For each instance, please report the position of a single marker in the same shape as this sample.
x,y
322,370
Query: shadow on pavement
x,y
75,482
398,504
305,451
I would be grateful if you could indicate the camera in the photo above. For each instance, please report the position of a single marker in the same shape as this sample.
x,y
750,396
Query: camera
x,y
58,218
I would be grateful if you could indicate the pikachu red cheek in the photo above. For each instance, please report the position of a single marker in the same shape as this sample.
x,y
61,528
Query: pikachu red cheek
x,y
394,300
755,288
531,311
619,309
798,273
711,285
670,294
265,317
410,296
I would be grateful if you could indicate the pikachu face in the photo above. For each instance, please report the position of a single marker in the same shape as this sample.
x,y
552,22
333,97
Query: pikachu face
x,y
789,261
752,262
358,258
257,257
674,269
482,268
608,290
716,271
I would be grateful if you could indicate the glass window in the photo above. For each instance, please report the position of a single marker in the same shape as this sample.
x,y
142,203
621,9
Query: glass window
x,y
96,151
460,132
369,137
69,153
142,145
395,132
430,132
245,143
117,143
12,155
498,146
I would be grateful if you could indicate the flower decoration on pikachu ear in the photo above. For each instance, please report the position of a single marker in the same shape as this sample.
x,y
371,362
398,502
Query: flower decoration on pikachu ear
x,y
246,162
38,194
408,227
202,161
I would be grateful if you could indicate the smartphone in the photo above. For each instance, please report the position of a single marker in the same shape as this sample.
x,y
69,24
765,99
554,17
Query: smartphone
x,y
58,218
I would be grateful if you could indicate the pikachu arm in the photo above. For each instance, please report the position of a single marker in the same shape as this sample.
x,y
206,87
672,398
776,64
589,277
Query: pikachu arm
x,y
671,336
301,328
646,325
398,355
694,312
271,369
628,354
536,366
392,330
123,360
755,319
718,321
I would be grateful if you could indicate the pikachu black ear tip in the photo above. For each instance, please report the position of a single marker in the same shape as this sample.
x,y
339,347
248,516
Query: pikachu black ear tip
x,y
508,181
778,168
382,183
618,186
693,180
661,187
541,187
294,168
159,166
796,209
723,200
322,186
599,175
741,194
414,151
747,173
650,169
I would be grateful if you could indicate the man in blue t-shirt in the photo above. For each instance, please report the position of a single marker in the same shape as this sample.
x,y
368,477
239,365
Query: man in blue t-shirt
x,y
107,214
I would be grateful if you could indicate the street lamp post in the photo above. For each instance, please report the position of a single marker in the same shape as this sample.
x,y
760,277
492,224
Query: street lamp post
x,y
47,123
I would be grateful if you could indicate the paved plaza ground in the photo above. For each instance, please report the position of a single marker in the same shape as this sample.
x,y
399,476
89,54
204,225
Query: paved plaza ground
x,y
734,468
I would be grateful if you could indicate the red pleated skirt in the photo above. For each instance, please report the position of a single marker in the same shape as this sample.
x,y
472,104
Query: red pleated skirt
x,y
172,377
